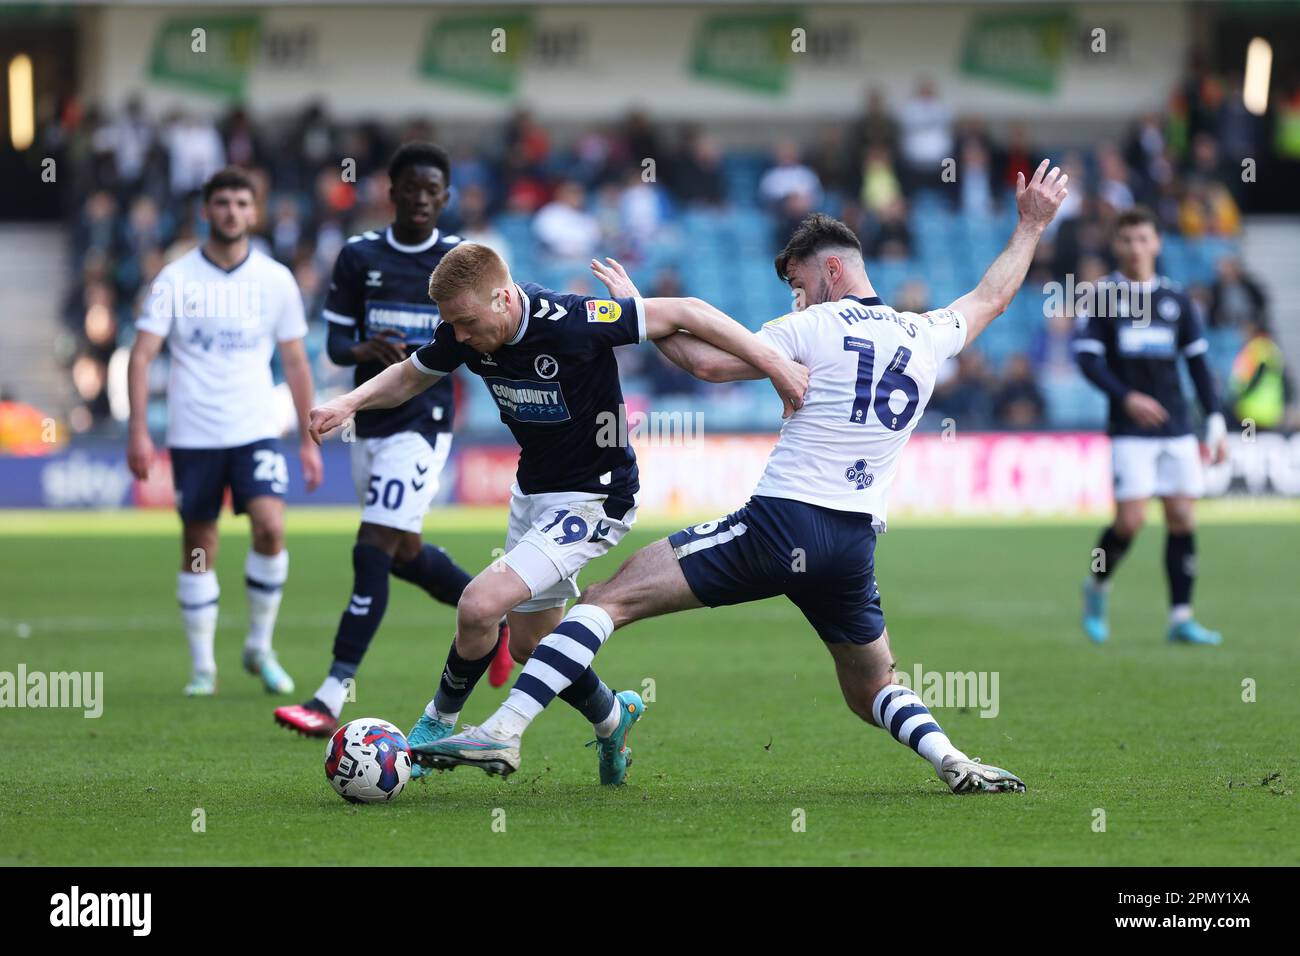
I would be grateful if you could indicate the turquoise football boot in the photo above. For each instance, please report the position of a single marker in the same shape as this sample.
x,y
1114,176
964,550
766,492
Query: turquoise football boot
x,y
613,753
264,664
470,748
201,685
1096,613
426,731
1191,632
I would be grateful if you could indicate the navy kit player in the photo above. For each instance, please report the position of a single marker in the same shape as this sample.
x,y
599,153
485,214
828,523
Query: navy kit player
x,y
547,359
379,312
809,529
1130,348
222,309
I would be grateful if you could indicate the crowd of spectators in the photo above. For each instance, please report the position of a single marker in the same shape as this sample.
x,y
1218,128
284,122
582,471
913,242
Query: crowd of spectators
x,y
618,189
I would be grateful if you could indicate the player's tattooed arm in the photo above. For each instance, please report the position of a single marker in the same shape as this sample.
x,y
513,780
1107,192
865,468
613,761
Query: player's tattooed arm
x,y
394,385
139,448
297,373
1037,202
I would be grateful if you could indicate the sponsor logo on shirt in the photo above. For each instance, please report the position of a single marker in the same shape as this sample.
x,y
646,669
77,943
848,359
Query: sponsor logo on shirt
x,y
223,340
412,321
603,310
528,401
1146,341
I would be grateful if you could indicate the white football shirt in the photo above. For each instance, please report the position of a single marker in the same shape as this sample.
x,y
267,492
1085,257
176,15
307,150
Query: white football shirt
x,y
221,329
871,373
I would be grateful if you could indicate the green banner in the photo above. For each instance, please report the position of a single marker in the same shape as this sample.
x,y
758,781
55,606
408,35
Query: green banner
x,y
208,54
483,52
1021,49
749,50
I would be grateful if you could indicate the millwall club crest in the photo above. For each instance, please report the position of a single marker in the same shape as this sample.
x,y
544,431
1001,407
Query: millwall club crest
x,y
546,366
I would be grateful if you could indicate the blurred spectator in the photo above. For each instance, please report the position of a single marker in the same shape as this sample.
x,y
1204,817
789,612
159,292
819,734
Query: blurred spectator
x,y
888,235
788,177
1259,387
696,176
1113,185
25,429
975,180
127,140
1208,209
241,141
914,296
965,395
1018,403
925,137
195,150
564,227
641,212
1235,298
1019,157
880,186
665,377
474,223
876,127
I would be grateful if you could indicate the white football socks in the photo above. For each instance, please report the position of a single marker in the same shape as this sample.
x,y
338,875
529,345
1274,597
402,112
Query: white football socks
x,y
431,711
900,712
332,694
264,576
198,594
611,721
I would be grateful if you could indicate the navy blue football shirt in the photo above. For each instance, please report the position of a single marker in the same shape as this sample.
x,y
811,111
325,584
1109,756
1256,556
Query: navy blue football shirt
x,y
380,284
1141,331
556,387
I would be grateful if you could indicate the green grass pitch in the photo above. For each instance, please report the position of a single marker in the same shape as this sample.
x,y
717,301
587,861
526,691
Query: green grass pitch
x,y
746,729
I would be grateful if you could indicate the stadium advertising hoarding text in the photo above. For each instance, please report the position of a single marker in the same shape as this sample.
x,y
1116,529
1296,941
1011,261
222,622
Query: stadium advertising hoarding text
x,y
1040,473
580,61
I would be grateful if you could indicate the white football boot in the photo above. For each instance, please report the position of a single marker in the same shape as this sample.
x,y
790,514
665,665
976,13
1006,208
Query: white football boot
x,y
971,776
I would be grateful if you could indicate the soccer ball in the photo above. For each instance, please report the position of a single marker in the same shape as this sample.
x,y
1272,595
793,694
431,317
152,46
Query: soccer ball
x,y
368,761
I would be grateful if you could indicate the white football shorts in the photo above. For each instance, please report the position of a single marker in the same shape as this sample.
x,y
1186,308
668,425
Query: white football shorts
x,y
1156,467
551,537
397,477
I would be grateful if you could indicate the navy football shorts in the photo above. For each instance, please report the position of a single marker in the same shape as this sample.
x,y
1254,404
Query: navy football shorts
x,y
202,475
820,559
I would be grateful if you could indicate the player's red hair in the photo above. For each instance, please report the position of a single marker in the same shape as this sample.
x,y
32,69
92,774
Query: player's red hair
x,y
469,267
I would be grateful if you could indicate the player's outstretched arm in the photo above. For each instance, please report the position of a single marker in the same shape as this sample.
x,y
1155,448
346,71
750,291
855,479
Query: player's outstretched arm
x,y
394,385
297,373
715,348
1037,202
139,448
705,361
666,317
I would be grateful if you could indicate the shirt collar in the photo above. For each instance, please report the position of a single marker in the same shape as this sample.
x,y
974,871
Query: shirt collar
x,y
402,247
866,300
525,307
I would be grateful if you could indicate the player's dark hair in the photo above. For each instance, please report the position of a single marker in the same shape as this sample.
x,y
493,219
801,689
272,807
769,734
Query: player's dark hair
x,y
229,178
816,232
420,154
1137,216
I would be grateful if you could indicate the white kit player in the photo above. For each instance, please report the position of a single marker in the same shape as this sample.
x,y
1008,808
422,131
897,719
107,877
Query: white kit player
x,y
809,529
222,309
